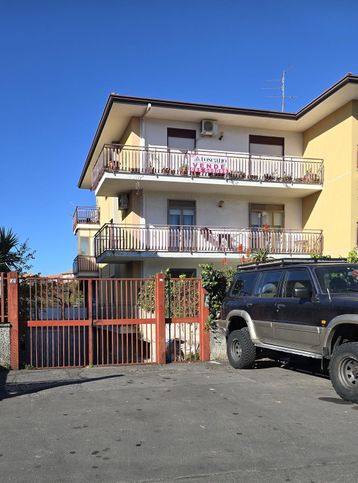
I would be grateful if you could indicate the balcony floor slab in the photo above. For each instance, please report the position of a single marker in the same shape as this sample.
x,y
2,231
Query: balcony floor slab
x,y
112,183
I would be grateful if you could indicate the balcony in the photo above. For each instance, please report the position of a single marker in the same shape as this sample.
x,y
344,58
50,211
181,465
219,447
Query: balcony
x,y
85,265
115,242
85,215
130,165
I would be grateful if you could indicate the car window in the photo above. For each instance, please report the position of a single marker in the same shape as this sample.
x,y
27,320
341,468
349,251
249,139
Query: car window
x,y
338,279
244,284
297,279
268,285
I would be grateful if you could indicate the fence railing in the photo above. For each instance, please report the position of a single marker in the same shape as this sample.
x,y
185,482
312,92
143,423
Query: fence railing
x,y
160,161
200,239
85,263
79,322
85,215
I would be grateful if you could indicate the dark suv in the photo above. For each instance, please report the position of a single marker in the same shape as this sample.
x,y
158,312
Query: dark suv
x,y
305,308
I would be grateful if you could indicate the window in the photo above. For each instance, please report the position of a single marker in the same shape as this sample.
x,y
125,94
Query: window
x,y
188,272
270,215
183,139
181,212
244,284
266,146
297,279
268,285
84,245
338,279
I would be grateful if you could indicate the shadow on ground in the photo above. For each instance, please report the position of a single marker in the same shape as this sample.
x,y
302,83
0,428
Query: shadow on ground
x,y
9,390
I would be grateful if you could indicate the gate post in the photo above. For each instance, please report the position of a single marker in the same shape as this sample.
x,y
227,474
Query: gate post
x,y
204,331
13,317
90,324
160,317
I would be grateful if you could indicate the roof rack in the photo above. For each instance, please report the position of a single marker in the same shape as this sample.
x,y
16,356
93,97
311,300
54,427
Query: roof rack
x,y
281,262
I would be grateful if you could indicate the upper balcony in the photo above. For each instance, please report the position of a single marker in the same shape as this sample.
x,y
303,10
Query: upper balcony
x,y
113,243
123,167
85,215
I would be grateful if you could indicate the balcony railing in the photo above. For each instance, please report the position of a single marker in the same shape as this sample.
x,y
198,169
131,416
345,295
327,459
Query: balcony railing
x,y
159,161
85,215
200,239
85,263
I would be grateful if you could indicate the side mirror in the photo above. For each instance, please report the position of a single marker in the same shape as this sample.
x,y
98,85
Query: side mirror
x,y
302,293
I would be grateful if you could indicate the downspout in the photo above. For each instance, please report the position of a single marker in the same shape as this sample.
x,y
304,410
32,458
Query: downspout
x,y
143,144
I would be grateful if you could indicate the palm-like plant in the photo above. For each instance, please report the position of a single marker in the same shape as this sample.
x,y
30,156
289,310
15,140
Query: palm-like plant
x,y
13,254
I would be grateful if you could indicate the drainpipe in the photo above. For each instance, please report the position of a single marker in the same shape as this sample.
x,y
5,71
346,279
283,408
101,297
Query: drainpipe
x,y
142,124
143,143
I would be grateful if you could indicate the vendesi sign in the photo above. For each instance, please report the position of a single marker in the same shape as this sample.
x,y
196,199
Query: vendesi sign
x,y
202,163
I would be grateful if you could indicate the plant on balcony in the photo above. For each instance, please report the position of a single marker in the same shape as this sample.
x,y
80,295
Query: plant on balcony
x,y
150,169
269,177
310,177
183,170
238,175
252,177
286,178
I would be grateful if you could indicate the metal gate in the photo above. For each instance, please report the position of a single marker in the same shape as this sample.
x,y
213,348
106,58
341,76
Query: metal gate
x,y
84,322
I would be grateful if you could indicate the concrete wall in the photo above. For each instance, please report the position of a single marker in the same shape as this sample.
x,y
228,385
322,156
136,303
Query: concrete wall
x,y
334,209
5,345
235,138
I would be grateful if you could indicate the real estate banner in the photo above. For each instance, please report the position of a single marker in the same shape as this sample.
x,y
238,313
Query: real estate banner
x,y
203,163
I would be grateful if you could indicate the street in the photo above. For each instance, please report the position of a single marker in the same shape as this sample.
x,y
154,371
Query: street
x,y
181,422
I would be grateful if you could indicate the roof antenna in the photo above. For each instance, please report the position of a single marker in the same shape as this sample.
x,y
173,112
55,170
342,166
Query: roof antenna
x,y
282,87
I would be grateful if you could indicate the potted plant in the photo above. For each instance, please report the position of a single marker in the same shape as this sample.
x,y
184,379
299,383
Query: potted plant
x,y
183,170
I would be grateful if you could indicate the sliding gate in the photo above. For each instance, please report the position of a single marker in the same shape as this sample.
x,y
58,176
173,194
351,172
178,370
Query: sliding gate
x,y
84,322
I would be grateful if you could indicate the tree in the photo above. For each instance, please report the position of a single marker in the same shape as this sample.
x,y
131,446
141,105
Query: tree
x,y
14,255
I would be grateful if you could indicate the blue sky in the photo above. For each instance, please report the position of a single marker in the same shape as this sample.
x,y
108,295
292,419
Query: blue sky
x,y
60,59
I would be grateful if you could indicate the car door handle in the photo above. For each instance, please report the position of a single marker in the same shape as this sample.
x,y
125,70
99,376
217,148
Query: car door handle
x,y
280,306
249,305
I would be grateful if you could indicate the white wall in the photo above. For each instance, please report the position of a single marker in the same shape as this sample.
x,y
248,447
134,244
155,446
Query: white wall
x,y
234,212
150,267
234,139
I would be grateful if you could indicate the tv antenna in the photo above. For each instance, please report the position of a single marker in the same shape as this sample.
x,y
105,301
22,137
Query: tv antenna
x,y
282,88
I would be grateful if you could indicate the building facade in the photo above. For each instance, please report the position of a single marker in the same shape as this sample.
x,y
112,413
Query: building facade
x,y
179,184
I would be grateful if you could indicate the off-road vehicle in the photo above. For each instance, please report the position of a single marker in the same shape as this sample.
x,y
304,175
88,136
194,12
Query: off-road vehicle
x,y
304,308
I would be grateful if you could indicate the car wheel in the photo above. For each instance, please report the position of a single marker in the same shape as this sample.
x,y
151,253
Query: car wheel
x,y
241,351
343,371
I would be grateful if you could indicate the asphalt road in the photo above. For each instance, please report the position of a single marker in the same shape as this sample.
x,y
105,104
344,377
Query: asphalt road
x,y
190,422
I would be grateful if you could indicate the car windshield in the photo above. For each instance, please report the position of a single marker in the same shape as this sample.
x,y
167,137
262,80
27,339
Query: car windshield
x,y
338,278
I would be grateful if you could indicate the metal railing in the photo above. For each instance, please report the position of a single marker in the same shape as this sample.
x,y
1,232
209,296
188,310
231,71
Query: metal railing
x,y
160,161
85,263
85,215
201,239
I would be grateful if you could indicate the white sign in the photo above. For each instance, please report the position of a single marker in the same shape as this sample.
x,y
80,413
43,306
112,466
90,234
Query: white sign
x,y
204,163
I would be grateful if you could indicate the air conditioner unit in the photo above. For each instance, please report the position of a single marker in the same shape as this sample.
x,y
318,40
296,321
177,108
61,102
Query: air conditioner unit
x,y
123,201
209,127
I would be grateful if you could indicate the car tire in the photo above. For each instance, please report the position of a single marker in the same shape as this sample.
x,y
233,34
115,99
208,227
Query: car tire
x,y
241,351
343,371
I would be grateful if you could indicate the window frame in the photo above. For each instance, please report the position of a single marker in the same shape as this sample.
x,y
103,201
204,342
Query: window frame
x,y
181,204
180,133
268,141
279,285
298,269
237,277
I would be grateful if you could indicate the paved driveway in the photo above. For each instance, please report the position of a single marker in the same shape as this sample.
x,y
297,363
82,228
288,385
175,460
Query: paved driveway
x,y
193,422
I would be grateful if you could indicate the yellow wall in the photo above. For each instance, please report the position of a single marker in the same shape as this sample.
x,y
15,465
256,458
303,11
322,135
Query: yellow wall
x,y
332,209
131,135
